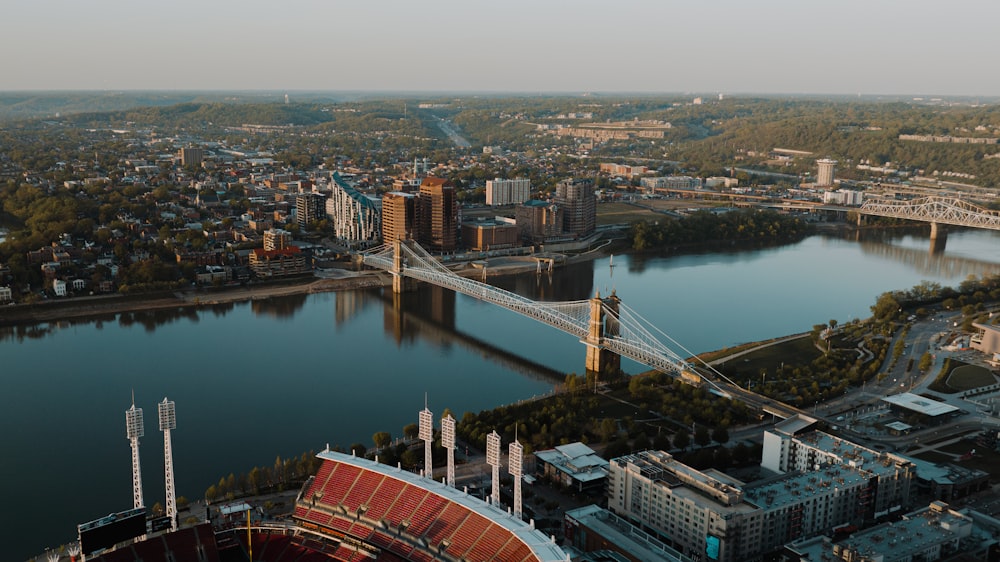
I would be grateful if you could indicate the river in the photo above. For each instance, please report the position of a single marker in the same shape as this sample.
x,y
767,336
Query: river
x,y
256,380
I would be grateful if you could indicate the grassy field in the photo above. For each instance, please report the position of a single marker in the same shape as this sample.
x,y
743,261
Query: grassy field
x,y
619,213
968,377
794,352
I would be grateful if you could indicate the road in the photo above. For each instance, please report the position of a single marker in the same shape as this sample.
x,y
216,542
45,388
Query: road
x,y
452,133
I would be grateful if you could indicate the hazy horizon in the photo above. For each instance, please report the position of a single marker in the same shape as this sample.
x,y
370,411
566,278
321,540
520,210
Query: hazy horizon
x,y
779,47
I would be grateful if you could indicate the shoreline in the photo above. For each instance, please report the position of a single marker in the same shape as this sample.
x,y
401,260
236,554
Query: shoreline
x,y
93,307
321,281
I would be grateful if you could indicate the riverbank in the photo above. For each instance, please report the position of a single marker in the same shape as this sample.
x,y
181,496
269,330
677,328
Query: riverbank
x,y
323,281
88,307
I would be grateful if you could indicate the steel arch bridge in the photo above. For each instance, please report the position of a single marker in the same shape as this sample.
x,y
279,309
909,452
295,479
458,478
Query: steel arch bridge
x,y
934,209
622,331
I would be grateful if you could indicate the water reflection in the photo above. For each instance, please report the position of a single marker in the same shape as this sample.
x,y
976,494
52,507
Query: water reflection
x,y
427,314
279,308
572,282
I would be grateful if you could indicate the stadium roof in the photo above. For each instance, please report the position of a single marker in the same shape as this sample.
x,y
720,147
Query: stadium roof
x,y
542,546
919,404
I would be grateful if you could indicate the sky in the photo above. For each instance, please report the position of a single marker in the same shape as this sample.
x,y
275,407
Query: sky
x,y
888,47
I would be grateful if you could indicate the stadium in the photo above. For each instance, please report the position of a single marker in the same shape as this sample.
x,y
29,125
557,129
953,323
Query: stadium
x,y
352,510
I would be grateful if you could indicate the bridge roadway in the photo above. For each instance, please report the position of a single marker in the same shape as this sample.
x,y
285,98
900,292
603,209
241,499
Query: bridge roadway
x,y
934,209
629,336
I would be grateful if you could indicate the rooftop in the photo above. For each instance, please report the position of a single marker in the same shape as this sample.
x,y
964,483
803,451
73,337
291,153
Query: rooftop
x,y
919,404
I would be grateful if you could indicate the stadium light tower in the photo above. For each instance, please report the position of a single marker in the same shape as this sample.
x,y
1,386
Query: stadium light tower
x,y
448,442
515,458
426,432
493,459
168,421
134,430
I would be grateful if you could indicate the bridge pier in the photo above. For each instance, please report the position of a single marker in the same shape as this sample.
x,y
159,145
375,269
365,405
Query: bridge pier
x,y
600,360
400,283
939,238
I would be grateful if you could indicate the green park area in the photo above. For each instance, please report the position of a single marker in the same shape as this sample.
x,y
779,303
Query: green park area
x,y
957,376
967,377
624,213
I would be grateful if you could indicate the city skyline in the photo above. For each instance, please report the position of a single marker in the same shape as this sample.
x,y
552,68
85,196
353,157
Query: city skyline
x,y
639,46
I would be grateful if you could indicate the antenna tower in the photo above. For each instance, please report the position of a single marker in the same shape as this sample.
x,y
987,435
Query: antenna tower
x,y
168,421
134,430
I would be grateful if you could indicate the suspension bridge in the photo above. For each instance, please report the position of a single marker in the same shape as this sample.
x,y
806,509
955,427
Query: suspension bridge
x,y
608,328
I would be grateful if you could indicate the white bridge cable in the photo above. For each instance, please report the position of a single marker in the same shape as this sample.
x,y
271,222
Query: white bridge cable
x,y
626,331
568,316
637,330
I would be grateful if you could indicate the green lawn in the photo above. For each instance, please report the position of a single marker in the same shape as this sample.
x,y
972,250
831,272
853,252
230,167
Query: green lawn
x,y
795,352
968,377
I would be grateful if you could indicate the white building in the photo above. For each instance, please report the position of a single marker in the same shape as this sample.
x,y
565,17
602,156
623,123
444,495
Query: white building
x,y
824,177
6,295
59,287
670,182
844,197
277,239
356,217
507,192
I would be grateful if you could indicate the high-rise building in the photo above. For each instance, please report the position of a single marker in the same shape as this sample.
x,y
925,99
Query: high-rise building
x,y
356,217
309,207
507,192
824,177
191,156
538,220
277,239
579,206
399,216
437,215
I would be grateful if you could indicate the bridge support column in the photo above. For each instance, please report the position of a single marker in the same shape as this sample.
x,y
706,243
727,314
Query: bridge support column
x,y
939,237
400,283
600,360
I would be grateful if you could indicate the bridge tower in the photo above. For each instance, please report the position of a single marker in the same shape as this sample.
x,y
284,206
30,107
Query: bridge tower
x,y
603,323
400,284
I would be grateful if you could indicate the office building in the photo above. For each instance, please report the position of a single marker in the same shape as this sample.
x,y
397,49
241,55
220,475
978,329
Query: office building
x,y
399,216
494,234
579,206
437,215
507,192
356,216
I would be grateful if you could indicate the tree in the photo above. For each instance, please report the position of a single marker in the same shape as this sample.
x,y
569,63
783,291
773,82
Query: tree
x,y
609,428
410,431
720,435
682,439
358,449
381,439
701,436
926,360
